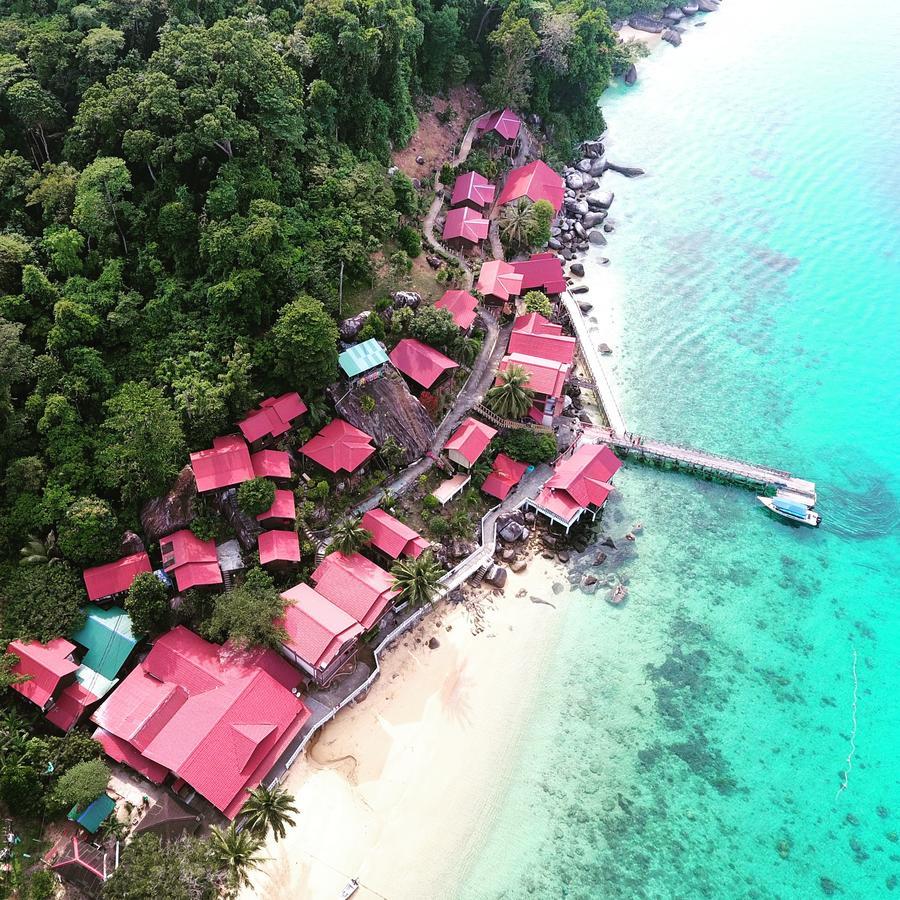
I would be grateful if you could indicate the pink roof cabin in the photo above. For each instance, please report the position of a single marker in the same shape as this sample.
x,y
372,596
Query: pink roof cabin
x,y
505,475
469,441
504,121
546,378
472,190
193,562
461,305
533,335
226,464
421,363
213,716
271,464
536,181
542,272
115,577
279,547
356,585
283,509
579,483
49,666
321,636
464,225
391,536
498,281
339,446
273,418
70,706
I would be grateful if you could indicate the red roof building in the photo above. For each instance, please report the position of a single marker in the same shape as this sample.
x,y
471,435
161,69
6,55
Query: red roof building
x,y
464,225
339,446
115,577
472,190
546,378
271,464
499,281
48,665
215,717
461,305
273,418
533,335
279,547
283,509
321,636
505,122
84,865
193,562
469,441
355,584
70,706
580,483
391,536
536,181
505,475
227,463
542,272
421,363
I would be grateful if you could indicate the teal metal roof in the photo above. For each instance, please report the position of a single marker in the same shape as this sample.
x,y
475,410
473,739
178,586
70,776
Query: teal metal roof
x,y
92,818
99,685
108,638
361,357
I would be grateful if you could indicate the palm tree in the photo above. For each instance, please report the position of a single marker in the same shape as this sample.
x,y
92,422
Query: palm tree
x,y
468,351
417,579
39,551
349,536
269,809
237,852
516,222
480,470
317,412
511,399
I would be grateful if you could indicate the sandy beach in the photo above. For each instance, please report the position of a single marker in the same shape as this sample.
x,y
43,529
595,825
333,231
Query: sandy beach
x,y
627,33
395,791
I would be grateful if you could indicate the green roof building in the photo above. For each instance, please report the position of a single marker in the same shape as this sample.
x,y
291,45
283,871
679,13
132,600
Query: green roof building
x,y
108,639
362,358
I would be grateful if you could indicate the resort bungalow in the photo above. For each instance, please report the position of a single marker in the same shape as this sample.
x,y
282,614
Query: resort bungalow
x,y
546,379
226,464
193,562
464,228
279,549
212,717
505,475
541,272
461,305
580,483
498,282
536,181
282,513
468,442
273,418
321,637
504,123
421,364
391,537
274,464
103,582
360,588
533,335
472,190
363,362
50,667
169,819
339,447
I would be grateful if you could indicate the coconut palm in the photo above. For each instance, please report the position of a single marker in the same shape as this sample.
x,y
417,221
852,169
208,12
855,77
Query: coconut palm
x,y
417,579
516,223
468,351
349,536
511,398
237,852
39,551
480,470
269,810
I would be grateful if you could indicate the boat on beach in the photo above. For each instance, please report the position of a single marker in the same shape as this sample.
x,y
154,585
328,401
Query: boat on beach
x,y
350,888
792,510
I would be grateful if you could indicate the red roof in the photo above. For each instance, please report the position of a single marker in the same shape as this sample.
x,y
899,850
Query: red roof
x,y
317,629
579,481
339,446
533,335
391,536
546,377
471,439
472,188
121,751
273,417
227,463
505,475
499,279
279,546
543,272
461,305
356,585
536,181
215,718
115,577
420,362
271,464
70,706
284,507
47,664
466,223
192,561
505,122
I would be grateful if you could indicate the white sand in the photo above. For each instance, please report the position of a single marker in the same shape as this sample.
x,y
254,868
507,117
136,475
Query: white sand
x,y
396,790
627,33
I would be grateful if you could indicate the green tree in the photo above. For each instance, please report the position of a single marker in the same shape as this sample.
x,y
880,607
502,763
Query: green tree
x,y
37,110
512,397
435,327
249,614
89,533
269,809
528,446
349,536
81,784
417,579
542,216
8,661
305,342
237,852
538,302
147,603
41,602
256,495
516,223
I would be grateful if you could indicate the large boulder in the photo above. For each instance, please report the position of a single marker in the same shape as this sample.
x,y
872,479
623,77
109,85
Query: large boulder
x,y
672,37
600,200
496,576
690,9
577,269
406,298
575,181
173,511
245,527
511,532
351,327
673,14
631,75
707,5
627,171
594,218
598,166
650,24
584,165
597,237
130,544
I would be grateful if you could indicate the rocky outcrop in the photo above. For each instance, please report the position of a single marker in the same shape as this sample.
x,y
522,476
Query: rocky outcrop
x,y
627,171
707,5
130,544
673,14
631,75
351,327
401,299
672,37
647,23
245,527
173,511
690,9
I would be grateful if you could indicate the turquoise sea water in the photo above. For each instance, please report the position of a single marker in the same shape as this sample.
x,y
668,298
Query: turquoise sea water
x,y
691,743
